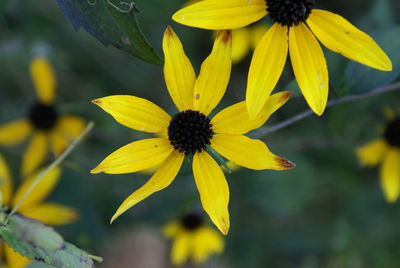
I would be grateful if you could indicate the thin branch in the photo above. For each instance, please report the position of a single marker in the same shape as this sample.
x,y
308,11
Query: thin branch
x,y
267,130
56,162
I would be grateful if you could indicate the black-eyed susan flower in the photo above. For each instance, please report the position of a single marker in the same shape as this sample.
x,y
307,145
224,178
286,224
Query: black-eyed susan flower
x,y
33,207
296,30
47,128
191,132
192,240
385,151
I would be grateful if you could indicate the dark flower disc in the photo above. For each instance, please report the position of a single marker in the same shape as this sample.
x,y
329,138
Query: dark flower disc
x,y
191,221
43,116
392,132
190,132
289,12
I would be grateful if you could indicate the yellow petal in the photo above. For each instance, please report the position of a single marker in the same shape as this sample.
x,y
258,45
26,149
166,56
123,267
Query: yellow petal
x,y
35,153
178,71
160,180
206,242
135,113
309,67
372,153
172,229
42,190
266,67
213,189
14,132
44,80
214,75
136,156
58,142
249,153
51,214
14,259
181,247
68,128
5,181
221,14
235,119
339,35
240,44
390,175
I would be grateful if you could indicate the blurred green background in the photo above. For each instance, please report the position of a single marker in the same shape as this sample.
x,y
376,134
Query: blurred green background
x,y
328,212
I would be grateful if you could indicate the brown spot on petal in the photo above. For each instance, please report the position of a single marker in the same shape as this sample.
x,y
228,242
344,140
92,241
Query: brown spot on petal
x,y
287,95
169,31
197,96
226,35
284,163
96,101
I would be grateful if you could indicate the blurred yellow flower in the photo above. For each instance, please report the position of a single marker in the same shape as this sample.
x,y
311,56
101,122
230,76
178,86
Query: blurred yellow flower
x,y
190,132
47,128
193,240
246,39
385,151
296,29
33,207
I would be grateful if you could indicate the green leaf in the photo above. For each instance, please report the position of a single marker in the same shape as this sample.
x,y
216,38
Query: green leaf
x,y
112,23
359,79
36,241
35,232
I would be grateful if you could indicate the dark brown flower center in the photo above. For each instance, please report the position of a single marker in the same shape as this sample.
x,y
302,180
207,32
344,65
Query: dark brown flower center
x,y
191,221
190,132
43,116
392,132
289,12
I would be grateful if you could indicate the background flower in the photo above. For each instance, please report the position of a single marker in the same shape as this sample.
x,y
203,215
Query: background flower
x,y
385,151
47,128
192,240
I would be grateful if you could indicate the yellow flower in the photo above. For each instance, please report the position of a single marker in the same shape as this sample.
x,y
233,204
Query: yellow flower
x,y
47,127
193,240
190,132
296,29
385,151
33,207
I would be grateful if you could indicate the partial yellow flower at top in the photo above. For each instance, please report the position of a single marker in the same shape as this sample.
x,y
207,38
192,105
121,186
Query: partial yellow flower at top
x,y
385,151
33,207
192,240
190,132
297,25
46,126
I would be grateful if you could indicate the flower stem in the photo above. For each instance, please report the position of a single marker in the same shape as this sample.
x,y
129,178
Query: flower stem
x,y
267,130
56,162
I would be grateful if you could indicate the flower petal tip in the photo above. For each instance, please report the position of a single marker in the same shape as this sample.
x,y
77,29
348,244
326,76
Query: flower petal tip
x,y
319,111
225,227
287,95
169,31
96,170
225,36
285,163
96,101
